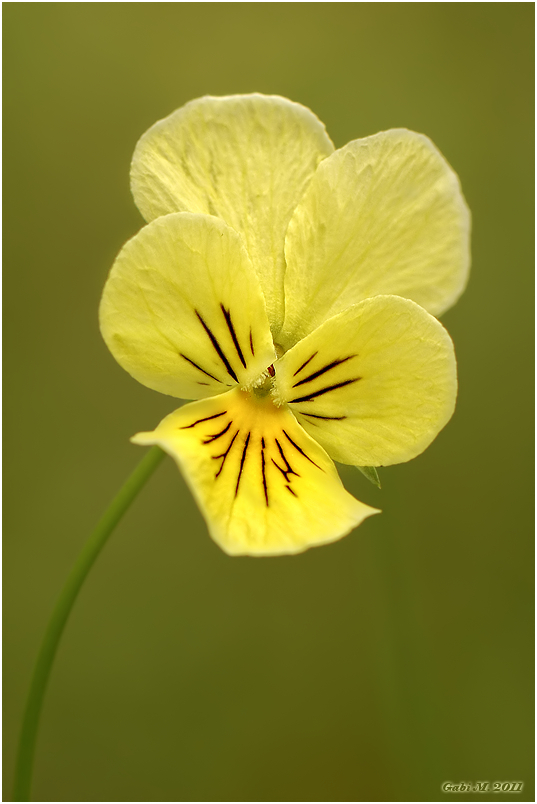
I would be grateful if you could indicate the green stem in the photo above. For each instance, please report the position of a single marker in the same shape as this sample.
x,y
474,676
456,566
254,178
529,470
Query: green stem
x,y
60,615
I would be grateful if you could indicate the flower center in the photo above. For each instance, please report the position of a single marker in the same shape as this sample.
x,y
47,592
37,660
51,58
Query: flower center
x,y
264,384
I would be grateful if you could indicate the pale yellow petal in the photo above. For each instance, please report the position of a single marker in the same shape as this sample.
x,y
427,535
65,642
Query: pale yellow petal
x,y
246,159
374,384
182,310
383,215
263,485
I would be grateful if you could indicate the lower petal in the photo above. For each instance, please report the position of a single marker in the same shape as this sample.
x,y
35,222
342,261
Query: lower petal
x,y
263,485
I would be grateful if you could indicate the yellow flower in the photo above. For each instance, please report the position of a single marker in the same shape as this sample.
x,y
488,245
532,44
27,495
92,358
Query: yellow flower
x,y
290,288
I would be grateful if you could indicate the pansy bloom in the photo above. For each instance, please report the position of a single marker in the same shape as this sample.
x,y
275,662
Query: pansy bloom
x,y
290,288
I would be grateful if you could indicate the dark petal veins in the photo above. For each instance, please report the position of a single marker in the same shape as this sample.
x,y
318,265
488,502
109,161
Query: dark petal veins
x,y
305,364
233,334
199,421
322,391
217,348
224,455
323,370
214,437
263,471
199,368
242,463
318,416
295,445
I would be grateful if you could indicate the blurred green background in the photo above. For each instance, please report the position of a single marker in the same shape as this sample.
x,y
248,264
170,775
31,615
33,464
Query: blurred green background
x,y
374,668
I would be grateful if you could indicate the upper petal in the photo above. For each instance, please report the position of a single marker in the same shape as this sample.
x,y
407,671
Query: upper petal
x,y
374,384
263,485
383,215
246,159
182,310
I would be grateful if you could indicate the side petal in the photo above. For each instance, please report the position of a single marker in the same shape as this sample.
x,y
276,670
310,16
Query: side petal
x,y
263,485
374,384
182,310
244,158
383,215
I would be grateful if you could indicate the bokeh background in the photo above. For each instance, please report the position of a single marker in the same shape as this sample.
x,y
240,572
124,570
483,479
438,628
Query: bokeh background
x,y
374,668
